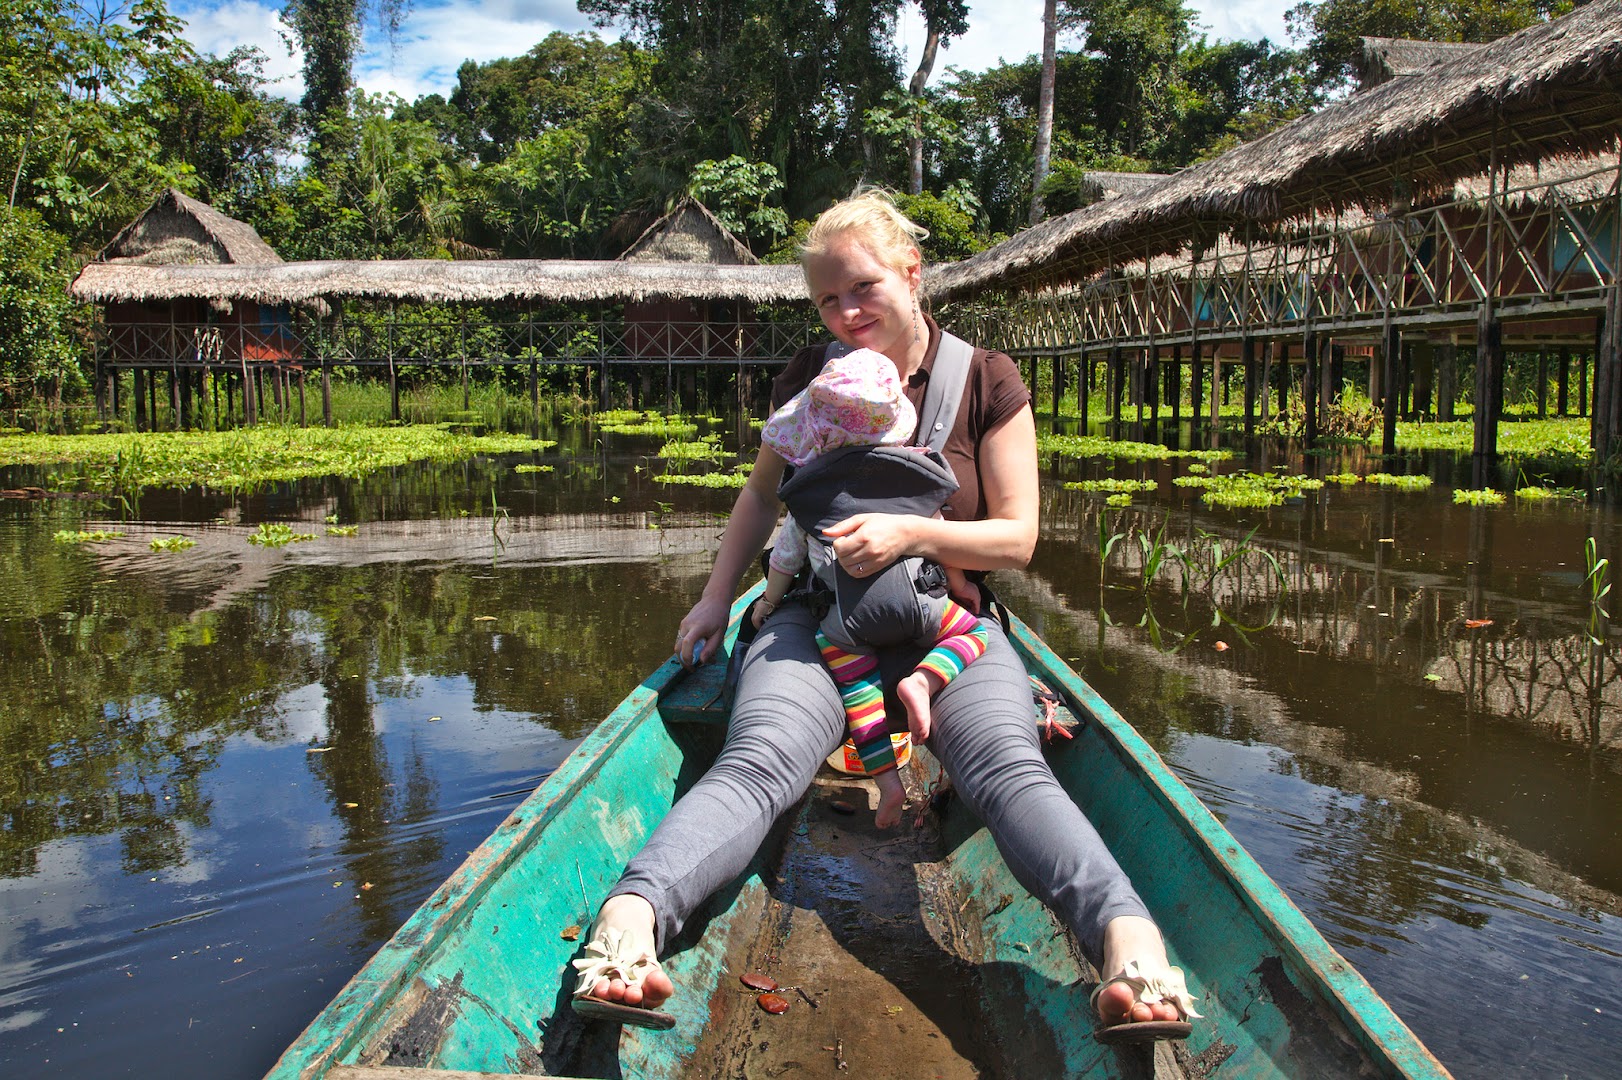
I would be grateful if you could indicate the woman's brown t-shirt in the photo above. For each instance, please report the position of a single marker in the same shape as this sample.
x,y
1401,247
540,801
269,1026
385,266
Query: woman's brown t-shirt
x,y
994,392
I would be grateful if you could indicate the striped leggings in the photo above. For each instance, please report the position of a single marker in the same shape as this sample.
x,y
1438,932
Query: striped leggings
x,y
959,641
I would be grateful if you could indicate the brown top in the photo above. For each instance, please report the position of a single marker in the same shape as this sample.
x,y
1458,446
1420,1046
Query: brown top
x,y
994,392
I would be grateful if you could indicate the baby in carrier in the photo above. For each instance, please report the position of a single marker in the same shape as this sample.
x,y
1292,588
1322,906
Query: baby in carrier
x,y
844,438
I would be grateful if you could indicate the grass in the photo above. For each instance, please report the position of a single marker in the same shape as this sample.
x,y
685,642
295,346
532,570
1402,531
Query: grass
x,y
249,457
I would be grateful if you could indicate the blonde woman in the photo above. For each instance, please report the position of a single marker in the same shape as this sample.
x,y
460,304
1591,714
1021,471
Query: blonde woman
x,y
863,269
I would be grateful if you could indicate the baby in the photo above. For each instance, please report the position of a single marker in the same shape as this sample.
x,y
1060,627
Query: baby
x,y
844,437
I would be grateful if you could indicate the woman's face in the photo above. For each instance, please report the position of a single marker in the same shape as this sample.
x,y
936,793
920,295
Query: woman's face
x,y
863,301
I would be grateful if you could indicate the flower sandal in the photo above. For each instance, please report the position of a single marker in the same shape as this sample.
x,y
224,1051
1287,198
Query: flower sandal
x,y
609,956
1149,990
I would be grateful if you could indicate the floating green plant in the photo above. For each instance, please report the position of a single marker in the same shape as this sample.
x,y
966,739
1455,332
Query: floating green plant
x,y
1540,494
172,543
277,534
342,530
1122,499
1111,485
707,448
234,460
631,422
85,536
1479,496
734,479
1402,483
1086,446
1563,440
1345,478
1250,490
533,468
1198,468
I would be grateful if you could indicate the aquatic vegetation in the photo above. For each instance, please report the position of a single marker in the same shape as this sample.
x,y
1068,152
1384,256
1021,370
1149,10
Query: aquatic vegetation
x,y
632,422
1542,494
734,479
1250,490
1198,468
1564,440
1123,498
1086,446
1479,496
707,448
246,458
172,543
342,530
1345,478
85,536
533,468
1111,485
1402,483
1599,584
278,534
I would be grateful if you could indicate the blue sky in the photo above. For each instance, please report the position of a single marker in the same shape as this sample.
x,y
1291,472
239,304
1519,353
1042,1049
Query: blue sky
x,y
438,37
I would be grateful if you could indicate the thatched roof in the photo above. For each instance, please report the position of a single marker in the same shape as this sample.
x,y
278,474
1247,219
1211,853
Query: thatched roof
x,y
1549,90
689,234
177,230
1112,185
1384,59
441,281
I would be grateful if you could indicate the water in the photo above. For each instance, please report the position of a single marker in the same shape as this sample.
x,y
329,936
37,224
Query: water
x,y
228,774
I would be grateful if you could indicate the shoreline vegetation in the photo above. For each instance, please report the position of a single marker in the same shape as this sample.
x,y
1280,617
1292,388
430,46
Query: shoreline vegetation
x,y
245,458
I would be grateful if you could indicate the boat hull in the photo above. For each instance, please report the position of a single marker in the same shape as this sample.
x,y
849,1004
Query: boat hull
x,y
477,979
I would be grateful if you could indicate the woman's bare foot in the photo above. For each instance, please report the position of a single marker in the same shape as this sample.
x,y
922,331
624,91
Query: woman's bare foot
x,y
914,692
633,915
892,799
1134,948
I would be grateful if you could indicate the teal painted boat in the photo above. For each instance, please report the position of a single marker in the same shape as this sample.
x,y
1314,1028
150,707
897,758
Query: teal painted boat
x,y
910,954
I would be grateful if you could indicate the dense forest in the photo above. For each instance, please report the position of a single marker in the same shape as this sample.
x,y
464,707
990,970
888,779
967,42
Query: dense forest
x,y
764,110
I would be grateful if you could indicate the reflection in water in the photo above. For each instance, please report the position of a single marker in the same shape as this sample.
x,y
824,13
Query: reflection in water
x,y
228,774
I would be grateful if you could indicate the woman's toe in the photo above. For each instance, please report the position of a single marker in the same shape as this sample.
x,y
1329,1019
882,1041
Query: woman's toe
x,y
1115,1003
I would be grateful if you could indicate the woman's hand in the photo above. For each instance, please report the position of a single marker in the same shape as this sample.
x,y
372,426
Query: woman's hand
x,y
866,543
706,623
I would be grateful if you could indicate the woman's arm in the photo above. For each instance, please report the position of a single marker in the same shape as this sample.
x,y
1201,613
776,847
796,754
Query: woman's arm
x,y
754,516
1005,537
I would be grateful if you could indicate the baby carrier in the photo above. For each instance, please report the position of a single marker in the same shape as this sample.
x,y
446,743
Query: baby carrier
x,y
883,609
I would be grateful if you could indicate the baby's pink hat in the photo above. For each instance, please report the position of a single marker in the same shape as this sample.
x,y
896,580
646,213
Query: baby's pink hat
x,y
855,401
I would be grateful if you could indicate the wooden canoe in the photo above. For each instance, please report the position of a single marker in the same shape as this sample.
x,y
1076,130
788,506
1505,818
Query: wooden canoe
x,y
914,954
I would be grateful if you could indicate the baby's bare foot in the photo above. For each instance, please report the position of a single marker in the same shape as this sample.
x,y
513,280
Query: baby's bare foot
x,y
892,799
914,693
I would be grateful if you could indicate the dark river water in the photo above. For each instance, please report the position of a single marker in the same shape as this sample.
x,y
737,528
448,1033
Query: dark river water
x,y
228,773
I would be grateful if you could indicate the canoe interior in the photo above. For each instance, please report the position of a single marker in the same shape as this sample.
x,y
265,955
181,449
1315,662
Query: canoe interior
x,y
921,953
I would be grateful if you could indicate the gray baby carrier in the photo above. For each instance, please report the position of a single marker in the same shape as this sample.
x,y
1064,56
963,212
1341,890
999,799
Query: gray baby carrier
x,y
887,608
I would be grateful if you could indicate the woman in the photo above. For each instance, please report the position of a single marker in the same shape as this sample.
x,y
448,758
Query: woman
x,y
863,268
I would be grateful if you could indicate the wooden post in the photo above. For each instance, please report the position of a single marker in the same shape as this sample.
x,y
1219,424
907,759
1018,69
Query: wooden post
x,y
1489,379
301,419
1151,383
1283,378
1116,369
1216,389
1247,358
1084,378
326,393
1447,380
140,398
1058,383
1196,383
1309,388
1174,384
1391,347
1562,382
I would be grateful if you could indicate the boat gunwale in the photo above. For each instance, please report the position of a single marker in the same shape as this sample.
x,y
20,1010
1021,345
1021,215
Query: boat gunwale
x,y
1365,1014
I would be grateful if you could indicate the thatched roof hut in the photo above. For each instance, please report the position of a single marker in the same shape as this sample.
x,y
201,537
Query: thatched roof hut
x,y
689,234
1384,59
177,230
1549,90
439,281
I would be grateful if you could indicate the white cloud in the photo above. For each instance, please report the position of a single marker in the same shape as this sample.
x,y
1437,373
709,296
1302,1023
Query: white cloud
x,y
435,39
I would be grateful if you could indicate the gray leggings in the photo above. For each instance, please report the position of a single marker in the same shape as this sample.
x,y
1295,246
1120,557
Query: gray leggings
x,y
788,717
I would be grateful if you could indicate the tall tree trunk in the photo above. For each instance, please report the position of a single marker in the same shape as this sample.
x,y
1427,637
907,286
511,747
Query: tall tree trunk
x,y
1044,107
932,44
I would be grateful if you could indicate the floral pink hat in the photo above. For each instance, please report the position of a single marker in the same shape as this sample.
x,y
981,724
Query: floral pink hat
x,y
855,401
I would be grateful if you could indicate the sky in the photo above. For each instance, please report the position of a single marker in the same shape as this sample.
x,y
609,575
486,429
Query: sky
x,y
438,36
